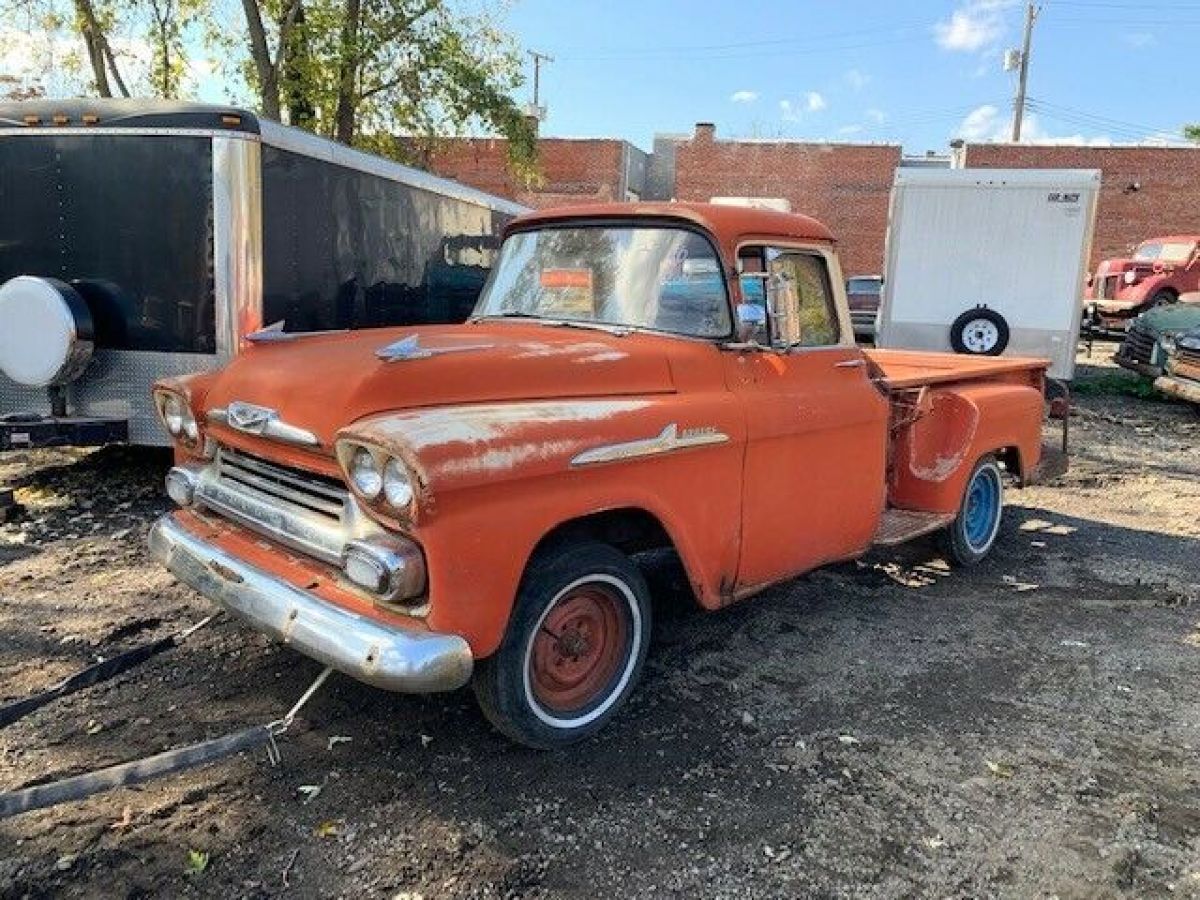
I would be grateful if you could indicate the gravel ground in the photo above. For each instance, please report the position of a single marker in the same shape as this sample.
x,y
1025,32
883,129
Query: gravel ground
x,y
887,728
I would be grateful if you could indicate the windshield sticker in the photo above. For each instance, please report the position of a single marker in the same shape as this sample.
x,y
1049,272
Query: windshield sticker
x,y
567,292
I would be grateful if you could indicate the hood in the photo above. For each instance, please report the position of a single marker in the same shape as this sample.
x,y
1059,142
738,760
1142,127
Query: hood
x,y
1117,266
322,383
1169,319
1189,340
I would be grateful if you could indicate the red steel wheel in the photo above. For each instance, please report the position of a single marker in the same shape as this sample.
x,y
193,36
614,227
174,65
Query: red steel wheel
x,y
579,648
573,649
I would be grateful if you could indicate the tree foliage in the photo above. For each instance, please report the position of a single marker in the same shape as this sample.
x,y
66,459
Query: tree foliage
x,y
1192,133
390,76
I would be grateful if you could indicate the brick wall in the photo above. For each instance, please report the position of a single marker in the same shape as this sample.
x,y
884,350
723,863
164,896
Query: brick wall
x,y
1167,200
573,171
846,186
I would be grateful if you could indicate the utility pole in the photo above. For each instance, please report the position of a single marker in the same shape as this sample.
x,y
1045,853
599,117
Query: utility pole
x,y
538,59
1031,14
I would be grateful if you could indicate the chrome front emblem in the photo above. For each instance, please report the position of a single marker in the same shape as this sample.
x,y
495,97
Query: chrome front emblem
x,y
248,417
253,419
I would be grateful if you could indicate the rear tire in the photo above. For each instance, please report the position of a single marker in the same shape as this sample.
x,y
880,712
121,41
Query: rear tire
x,y
970,537
573,650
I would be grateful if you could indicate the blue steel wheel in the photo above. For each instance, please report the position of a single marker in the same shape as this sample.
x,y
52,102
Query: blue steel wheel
x,y
973,532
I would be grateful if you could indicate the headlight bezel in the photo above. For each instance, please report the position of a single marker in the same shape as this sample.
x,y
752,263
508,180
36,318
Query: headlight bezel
x,y
398,505
177,417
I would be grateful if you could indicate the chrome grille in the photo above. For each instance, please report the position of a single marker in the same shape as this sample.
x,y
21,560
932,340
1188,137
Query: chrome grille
x,y
1139,345
1106,287
302,510
288,486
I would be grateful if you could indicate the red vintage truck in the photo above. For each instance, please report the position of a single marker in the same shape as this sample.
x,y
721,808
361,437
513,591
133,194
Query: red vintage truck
x,y
425,507
1158,271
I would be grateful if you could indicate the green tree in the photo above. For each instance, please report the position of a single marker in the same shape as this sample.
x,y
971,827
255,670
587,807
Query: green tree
x,y
1192,133
387,75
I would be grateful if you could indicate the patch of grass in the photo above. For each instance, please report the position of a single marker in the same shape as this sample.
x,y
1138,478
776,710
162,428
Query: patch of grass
x,y
1117,384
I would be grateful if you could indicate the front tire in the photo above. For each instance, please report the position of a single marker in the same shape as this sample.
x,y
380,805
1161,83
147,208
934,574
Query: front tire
x,y
1162,298
970,537
574,647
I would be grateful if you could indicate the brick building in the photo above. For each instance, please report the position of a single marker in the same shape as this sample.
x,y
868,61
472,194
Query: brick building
x,y
846,186
573,170
1144,191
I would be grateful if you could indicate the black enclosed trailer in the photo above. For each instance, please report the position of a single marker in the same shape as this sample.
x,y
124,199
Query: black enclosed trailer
x,y
143,239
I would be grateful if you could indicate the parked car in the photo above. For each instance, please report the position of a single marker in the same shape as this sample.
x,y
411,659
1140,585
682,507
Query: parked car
x,y
425,507
1157,273
141,239
862,295
1144,349
1182,378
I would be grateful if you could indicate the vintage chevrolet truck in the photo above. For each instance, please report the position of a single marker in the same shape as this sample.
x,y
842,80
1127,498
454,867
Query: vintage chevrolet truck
x,y
1156,273
425,507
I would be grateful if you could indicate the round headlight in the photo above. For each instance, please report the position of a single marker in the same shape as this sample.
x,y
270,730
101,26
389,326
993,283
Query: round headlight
x,y
397,485
173,414
364,472
1131,276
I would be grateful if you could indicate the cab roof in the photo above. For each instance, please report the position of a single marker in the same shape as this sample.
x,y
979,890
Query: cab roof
x,y
730,225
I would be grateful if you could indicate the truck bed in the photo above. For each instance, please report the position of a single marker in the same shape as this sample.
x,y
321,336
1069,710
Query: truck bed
x,y
914,368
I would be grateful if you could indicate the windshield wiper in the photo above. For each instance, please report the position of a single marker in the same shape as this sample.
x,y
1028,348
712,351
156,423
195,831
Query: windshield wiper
x,y
618,330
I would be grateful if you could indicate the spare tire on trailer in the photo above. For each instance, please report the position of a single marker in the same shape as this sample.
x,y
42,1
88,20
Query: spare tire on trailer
x,y
979,332
46,331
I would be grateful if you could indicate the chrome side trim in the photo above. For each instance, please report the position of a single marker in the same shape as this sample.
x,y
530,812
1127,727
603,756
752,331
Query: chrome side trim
x,y
668,440
251,419
391,658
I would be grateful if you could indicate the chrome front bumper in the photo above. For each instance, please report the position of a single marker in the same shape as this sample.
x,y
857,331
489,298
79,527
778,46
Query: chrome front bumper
x,y
394,659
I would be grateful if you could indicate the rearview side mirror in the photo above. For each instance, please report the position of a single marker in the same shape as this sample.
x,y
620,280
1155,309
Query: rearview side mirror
x,y
751,323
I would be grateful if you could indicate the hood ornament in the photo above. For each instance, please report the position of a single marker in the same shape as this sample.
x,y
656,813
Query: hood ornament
x,y
274,333
409,347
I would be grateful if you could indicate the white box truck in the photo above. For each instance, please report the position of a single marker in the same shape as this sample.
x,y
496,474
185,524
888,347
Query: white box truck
x,y
989,261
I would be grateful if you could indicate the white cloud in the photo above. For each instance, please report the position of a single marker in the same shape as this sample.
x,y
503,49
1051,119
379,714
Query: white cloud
x,y
977,25
857,79
743,96
986,124
849,129
788,111
814,102
876,116
1138,40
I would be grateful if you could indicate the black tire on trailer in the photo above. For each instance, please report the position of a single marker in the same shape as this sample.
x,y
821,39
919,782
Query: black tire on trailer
x,y
979,332
574,647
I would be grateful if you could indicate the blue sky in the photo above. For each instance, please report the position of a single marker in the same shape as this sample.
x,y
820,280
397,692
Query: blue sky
x,y
917,73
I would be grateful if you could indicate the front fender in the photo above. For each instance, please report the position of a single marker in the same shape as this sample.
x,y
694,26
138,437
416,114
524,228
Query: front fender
x,y
494,479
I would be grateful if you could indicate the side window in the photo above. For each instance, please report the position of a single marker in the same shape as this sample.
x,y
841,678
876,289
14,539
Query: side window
x,y
800,299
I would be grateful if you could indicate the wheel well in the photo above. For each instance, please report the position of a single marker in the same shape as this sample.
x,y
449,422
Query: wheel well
x,y
631,530
1010,460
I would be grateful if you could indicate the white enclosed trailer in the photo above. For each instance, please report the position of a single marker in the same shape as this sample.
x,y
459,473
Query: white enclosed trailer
x,y
989,261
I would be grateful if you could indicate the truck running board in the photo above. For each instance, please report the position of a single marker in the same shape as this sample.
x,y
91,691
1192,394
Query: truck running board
x,y
899,525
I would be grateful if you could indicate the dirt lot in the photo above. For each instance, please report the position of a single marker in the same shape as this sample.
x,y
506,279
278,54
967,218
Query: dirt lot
x,y
888,728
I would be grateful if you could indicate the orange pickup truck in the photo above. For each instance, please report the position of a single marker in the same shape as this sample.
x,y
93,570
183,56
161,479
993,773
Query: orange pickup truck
x,y
425,507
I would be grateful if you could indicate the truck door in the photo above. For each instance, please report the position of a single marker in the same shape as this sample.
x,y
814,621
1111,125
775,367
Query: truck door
x,y
816,425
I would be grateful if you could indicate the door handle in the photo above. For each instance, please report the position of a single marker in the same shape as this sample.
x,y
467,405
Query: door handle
x,y
849,364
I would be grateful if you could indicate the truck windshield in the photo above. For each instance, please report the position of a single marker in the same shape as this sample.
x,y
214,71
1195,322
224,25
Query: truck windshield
x,y
1171,251
661,278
